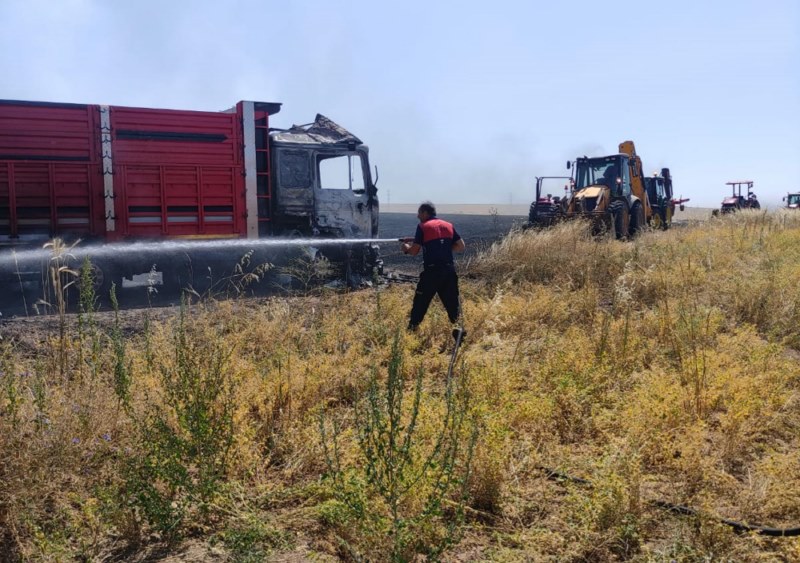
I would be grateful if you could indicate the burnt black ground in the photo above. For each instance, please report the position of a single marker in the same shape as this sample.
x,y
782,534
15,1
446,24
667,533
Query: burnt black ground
x,y
478,232
23,298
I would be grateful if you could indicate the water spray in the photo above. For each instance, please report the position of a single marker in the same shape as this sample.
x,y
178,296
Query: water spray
x,y
105,250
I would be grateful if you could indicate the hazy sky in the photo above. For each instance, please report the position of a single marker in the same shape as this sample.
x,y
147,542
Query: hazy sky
x,y
460,102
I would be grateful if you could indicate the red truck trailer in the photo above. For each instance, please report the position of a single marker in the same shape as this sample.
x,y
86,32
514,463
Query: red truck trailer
x,y
110,174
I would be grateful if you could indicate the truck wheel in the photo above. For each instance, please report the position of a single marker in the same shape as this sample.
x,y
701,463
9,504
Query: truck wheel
x,y
179,274
637,220
104,275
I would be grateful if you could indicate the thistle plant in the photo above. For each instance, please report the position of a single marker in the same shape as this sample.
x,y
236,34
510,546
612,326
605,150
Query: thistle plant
x,y
186,440
13,396
396,463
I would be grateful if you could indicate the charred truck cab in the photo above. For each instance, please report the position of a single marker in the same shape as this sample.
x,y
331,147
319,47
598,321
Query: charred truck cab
x,y
323,188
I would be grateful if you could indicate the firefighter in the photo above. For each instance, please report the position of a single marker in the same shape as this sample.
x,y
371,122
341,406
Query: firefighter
x,y
438,240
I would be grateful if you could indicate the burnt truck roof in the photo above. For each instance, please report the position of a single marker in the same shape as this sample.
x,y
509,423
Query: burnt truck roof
x,y
322,131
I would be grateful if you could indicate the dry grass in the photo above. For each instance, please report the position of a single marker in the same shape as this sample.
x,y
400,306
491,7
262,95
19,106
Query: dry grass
x,y
666,368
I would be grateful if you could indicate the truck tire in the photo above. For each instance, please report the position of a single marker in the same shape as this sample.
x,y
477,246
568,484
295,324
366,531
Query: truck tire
x,y
106,274
637,221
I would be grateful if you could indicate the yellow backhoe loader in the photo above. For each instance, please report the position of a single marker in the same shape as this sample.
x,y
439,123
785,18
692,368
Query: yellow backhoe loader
x,y
609,191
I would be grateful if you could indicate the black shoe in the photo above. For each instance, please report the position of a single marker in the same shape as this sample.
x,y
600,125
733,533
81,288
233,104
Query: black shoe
x,y
459,332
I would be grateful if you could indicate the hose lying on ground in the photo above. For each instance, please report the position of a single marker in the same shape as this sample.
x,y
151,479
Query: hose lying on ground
x,y
683,510
459,335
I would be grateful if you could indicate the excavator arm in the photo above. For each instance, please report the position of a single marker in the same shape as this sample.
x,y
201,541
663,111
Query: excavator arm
x,y
637,183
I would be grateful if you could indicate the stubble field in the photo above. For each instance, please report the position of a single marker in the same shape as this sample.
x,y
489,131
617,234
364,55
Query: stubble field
x,y
598,379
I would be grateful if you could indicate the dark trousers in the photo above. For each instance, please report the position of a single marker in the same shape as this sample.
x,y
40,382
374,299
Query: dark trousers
x,y
433,280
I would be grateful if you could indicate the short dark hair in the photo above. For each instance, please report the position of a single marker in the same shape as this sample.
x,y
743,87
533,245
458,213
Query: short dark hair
x,y
427,207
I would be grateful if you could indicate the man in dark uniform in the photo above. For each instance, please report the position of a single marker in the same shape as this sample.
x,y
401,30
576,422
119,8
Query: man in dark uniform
x,y
438,240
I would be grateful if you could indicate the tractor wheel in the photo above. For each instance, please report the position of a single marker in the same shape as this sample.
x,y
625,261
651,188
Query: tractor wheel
x,y
657,220
620,218
532,214
637,221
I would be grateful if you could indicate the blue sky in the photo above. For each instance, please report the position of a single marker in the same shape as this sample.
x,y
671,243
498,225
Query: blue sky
x,y
460,102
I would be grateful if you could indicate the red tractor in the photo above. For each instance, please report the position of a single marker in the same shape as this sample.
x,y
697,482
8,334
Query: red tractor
x,y
736,200
548,209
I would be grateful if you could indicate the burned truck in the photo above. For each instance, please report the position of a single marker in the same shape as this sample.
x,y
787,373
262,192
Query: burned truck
x,y
114,175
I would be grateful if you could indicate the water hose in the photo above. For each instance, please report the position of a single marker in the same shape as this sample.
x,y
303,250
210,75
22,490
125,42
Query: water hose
x,y
739,527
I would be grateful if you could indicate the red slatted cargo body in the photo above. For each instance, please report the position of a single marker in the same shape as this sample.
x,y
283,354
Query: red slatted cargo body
x,y
178,173
50,174
113,173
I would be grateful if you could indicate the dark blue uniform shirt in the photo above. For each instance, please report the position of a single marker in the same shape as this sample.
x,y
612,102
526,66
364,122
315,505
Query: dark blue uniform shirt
x,y
436,237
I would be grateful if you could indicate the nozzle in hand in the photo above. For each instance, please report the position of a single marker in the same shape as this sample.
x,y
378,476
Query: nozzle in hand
x,y
408,242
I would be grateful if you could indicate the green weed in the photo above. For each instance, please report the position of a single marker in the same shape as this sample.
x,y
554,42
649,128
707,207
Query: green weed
x,y
395,464
185,441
